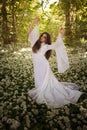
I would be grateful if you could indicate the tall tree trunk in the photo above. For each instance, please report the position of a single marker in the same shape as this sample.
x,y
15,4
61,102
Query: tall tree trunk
x,y
14,37
67,23
5,28
68,32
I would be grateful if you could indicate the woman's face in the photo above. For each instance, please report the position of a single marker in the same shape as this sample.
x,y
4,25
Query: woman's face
x,y
43,38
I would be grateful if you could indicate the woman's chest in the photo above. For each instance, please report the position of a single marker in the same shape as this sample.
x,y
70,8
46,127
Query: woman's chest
x,y
43,49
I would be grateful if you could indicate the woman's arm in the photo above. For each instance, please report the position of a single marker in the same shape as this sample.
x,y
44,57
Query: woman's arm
x,y
61,53
35,21
33,32
57,43
62,31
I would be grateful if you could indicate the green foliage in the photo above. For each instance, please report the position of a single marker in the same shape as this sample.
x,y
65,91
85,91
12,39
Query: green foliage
x,y
75,22
17,15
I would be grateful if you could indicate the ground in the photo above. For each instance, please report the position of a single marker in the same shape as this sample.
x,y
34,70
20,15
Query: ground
x,y
19,112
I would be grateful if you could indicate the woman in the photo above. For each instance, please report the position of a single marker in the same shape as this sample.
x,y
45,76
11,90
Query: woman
x,y
48,89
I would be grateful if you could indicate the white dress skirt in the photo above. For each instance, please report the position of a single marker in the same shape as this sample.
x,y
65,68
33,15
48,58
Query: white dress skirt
x,y
48,89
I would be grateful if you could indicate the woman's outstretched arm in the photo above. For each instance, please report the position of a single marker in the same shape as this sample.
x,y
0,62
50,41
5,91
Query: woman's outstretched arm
x,y
35,21
33,32
61,53
57,43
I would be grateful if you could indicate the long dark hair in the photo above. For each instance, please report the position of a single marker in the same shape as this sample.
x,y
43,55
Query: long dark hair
x,y
37,45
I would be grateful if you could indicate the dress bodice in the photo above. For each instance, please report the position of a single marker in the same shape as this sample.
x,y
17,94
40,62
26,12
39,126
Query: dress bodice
x,y
43,48
40,54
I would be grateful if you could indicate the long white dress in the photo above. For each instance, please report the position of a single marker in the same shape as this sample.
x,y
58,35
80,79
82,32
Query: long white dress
x,y
48,89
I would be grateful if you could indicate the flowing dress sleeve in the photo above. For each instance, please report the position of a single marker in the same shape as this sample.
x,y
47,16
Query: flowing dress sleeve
x,y
61,54
33,36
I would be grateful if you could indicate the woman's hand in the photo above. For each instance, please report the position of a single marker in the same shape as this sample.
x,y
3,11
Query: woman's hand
x,y
36,20
62,31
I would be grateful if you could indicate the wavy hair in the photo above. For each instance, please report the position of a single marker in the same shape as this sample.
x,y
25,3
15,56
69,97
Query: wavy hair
x,y
37,45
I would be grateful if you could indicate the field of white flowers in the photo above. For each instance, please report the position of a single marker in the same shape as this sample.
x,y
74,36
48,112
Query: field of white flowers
x,y
19,112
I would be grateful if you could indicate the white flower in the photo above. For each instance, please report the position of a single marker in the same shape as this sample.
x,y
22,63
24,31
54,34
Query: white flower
x,y
25,128
27,121
15,124
4,119
74,120
9,121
